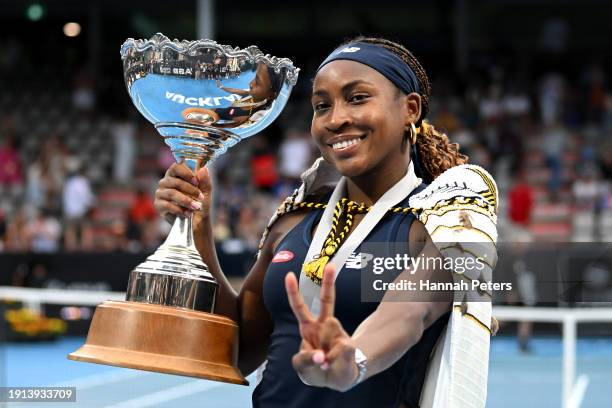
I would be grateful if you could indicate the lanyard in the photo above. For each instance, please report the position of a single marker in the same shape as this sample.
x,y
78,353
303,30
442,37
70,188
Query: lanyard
x,y
311,291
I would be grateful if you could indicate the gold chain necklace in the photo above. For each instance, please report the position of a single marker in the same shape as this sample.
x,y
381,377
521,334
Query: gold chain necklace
x,y
314,269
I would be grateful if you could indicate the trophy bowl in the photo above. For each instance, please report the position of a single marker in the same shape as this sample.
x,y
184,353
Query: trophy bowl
x,y
203,98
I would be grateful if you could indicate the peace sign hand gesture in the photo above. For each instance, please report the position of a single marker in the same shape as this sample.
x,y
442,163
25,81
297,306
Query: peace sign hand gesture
x,y
327,353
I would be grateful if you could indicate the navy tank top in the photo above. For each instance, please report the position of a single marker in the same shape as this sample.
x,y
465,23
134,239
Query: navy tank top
x,y
280,386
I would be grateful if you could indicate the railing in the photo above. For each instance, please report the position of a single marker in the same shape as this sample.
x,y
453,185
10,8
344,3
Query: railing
x,y
572,390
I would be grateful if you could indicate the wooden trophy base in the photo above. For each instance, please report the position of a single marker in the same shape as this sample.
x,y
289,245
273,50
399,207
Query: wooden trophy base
x,y
163,339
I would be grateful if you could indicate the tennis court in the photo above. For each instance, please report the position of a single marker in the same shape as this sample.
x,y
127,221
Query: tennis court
x,y
516,379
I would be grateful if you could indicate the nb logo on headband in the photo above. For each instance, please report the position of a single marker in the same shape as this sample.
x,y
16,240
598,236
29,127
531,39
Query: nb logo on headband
x,y
350,49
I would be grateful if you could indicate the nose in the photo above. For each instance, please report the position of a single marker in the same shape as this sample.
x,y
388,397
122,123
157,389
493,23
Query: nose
x,y
338,118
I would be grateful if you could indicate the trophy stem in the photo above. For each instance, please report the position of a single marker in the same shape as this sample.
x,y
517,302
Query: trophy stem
x,y
175,274
181,234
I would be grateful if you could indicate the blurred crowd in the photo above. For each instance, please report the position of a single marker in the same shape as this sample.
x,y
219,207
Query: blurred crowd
x,y
544,137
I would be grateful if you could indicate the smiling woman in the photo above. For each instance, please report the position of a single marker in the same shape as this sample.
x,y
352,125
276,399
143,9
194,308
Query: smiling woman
x,y
378,81
385,176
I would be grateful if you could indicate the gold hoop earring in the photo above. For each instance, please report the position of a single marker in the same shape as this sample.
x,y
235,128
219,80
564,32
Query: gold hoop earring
x,y
413,133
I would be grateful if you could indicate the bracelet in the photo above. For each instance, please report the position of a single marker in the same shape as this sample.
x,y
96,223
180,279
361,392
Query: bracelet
x,y
362,361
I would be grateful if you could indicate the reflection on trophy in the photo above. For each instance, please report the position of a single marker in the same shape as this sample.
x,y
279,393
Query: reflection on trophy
x,y
203,98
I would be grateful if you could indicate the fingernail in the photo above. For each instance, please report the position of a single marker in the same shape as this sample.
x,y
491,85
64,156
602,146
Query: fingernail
x,y
194,181
324,366
196,205
201,197
318,357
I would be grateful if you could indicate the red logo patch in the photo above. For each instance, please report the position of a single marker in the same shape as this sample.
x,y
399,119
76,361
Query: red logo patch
x,y
283,256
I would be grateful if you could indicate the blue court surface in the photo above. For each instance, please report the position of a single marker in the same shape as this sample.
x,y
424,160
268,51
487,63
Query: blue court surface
x,y
515,380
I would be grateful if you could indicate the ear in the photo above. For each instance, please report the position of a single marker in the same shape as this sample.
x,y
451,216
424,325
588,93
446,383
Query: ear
x,y
412,108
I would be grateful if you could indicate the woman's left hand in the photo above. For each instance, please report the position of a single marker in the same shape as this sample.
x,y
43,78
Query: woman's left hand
x,y
327,353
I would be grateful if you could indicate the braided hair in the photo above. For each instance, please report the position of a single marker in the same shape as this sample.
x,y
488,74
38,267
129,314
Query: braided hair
x,y
436,152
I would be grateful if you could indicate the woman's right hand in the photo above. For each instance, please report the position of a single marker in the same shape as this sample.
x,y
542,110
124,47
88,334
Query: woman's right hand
x,y
181,192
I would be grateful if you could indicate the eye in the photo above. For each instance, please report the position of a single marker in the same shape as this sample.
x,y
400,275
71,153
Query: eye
x,y
358,98
320,106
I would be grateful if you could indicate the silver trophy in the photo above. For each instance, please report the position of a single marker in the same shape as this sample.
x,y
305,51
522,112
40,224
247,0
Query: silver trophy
x,y
203,98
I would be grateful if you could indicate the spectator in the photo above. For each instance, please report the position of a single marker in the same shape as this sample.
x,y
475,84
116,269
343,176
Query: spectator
x,y
38,183
140,214
263,166
247,229
45,231
78,199
588,190
490,108
520,206
520,201
118,237
516,103
552,92
142,209
10,164
555,138
18,238
46,174
221,229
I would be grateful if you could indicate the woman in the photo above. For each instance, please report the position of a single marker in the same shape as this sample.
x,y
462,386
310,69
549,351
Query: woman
x,y
322,346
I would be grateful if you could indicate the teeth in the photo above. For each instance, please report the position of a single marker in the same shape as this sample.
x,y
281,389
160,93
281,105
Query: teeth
x,y
345,144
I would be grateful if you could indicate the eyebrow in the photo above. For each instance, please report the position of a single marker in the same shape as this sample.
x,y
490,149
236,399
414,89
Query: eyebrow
x,y
345,87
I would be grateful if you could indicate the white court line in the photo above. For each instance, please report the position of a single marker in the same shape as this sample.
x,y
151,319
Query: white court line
x,y
167,394
96,380
578,391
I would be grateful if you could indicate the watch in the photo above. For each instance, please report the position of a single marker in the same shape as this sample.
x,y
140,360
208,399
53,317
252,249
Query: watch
x,y
362,362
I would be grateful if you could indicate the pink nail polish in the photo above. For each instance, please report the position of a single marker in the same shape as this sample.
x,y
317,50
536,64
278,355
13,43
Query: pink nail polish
x,y
318,357
196,205
324,366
